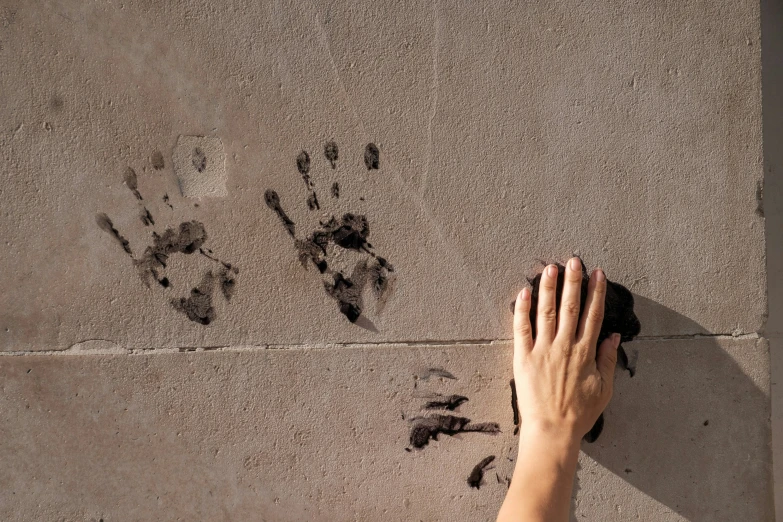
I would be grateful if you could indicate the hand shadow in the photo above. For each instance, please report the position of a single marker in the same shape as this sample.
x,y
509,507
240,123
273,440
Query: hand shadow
x,y
691,429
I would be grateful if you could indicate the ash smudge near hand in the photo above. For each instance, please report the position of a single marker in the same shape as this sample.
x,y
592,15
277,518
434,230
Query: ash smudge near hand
x,y
619,317
514,406
372,156
106,225
303,166
199,159
476,476
331,152
450,402
426,428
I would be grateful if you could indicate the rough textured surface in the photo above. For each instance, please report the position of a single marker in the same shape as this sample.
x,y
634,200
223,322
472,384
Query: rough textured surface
x,y
389,174
318,434
506,133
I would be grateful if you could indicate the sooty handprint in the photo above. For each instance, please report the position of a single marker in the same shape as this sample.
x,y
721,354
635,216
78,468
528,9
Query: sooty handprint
x,y
348,232
187,238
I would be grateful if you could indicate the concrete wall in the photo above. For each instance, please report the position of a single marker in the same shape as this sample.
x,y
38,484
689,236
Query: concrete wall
x,y
167,354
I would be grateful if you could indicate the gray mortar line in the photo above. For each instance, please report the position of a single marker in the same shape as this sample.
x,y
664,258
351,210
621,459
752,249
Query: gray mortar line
x,y
117,350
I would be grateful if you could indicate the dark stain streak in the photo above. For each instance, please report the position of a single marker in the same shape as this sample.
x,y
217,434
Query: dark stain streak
x,y
146,217
475,477
273,202
426,428
132,182
336,190
158,163
437,372
198,306
303,166
199,159
371,156
619,317
707,422
106,225
451,403
332,153
166,201
514,406
225,277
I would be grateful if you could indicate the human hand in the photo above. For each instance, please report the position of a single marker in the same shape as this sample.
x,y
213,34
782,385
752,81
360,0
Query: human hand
x,y
562,387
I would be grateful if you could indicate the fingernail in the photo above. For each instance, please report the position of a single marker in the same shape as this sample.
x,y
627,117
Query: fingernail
x,y
616,339
525,295
551,270
574,264
600,276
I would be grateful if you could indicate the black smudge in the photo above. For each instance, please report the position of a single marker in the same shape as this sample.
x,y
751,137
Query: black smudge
x,y
146,217
158,163
619,317
185,239
450,402
426,428
371,156
347,291
166,201
475,477
514,406
198,306
335,190
437,372
199,159
132,182
273,202
331,152
226,276
303,166
106,225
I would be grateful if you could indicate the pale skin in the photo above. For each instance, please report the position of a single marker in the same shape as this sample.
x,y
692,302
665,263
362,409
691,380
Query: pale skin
x,y
561,388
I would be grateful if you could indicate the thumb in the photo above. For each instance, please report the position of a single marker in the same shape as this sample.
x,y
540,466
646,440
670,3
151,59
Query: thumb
x,y
607,360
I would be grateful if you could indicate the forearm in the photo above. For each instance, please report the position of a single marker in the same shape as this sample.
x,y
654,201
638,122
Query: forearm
x,y
543,478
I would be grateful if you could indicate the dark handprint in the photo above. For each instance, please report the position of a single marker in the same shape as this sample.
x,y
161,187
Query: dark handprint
x,y
349,232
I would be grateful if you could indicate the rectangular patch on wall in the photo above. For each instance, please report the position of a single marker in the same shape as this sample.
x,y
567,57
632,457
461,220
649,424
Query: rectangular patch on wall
x,y
200,165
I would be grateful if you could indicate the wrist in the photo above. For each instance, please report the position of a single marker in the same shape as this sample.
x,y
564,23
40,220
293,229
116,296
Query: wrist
x,y
557,442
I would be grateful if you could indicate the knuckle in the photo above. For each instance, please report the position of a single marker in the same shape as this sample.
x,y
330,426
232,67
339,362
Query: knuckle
x,y
548,314
571,308
595,317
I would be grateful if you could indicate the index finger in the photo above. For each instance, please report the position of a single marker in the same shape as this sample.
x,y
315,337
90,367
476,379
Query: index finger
x,y
590,323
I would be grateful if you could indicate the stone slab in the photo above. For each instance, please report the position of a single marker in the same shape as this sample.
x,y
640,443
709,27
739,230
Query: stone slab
x,y
319,434
507,133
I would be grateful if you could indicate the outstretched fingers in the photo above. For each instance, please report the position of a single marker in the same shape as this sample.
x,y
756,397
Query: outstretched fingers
x,y
590,324
546,315
569,305
606,363
523,339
